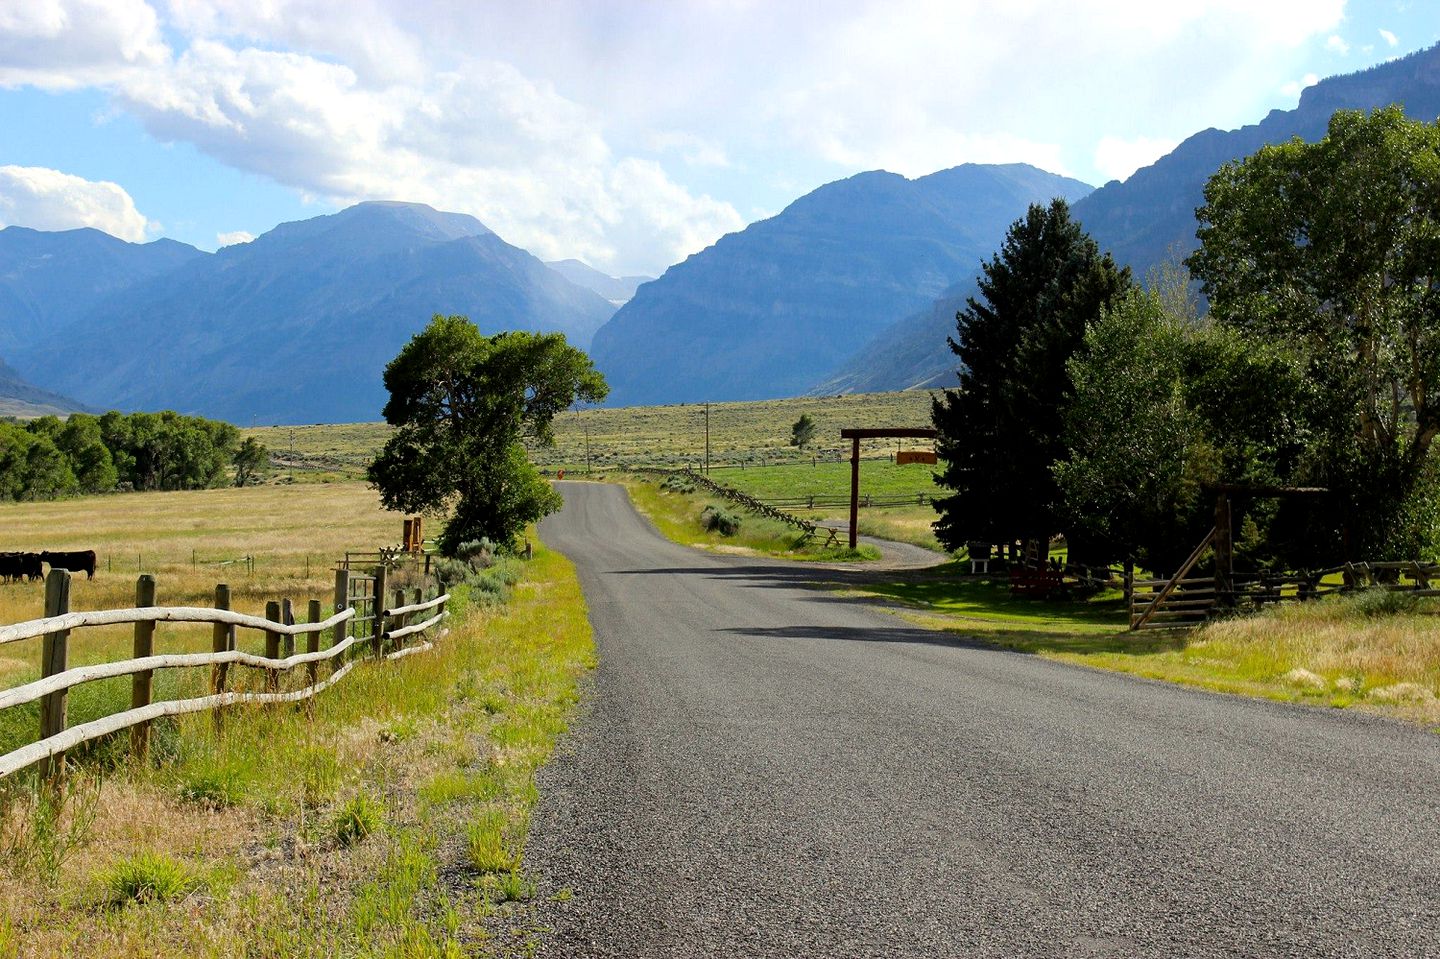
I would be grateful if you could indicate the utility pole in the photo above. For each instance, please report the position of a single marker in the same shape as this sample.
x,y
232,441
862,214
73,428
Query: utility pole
x,y
707,439
587,445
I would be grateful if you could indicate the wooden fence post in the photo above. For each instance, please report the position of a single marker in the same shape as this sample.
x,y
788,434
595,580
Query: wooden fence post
x,y
272,646
54,658
312,640
342,603
142,685
222,640
378,632
399,620
287,616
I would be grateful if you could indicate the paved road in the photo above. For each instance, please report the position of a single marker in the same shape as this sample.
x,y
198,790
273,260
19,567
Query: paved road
x,y
764,769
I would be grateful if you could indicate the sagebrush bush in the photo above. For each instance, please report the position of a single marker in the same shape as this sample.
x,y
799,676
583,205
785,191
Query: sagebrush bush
x,y
678,484
717,519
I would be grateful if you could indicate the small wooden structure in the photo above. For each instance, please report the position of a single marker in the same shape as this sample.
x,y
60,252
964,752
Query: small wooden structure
x,y
855,436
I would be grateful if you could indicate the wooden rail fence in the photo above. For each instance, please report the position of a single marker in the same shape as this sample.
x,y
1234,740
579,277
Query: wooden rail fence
x,y
394,631
746,501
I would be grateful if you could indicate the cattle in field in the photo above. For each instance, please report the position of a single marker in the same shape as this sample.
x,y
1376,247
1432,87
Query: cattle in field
x,y
17,566
81,560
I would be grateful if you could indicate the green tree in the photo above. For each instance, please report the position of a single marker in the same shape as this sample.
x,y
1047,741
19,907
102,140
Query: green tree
x,y
1000,432
1163,404
31,468
1334,247
81,442
803,431
461,404
250,460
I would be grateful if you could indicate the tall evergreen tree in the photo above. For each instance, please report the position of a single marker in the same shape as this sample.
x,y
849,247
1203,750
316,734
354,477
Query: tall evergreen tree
x,y
1001,431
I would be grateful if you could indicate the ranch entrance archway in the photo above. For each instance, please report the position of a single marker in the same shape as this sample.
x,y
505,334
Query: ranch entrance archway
x,y
855,436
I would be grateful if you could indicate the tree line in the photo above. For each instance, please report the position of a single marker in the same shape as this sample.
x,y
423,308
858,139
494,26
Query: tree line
x,y
1110,412
49,457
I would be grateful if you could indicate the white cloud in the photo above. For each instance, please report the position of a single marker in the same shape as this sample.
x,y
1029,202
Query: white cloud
x,y
561,125
1337,44
1389,38
63,44
1117,158
46,199
1294,87
233,237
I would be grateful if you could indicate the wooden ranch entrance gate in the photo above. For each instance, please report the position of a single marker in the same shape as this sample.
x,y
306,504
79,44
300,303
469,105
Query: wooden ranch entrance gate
x,y
855,436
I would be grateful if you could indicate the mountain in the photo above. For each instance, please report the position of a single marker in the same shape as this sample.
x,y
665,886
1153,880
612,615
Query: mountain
x,y
617,289
764,312
26,401
297,325
1146,219
48,280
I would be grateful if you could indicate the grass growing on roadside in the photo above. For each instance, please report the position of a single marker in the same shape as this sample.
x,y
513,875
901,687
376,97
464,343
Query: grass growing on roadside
x,y
1373,650
338,830
677,515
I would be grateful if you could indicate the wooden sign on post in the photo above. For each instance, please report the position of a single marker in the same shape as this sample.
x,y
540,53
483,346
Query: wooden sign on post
x,y
905,457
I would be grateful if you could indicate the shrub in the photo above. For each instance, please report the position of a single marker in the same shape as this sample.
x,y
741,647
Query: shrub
x,y
356,819
677,484
1383,602
717,519
148,877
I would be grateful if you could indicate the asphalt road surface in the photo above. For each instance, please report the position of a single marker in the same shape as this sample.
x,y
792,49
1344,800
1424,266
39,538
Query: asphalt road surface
x,y
762,768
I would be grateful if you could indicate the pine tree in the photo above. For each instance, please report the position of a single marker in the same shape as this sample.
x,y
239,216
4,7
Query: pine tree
x,y
1000,432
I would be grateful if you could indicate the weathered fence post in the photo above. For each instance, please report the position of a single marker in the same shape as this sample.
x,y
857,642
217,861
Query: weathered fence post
x,y
342,603
400,621
142,685
312,640
287,616
378,632
272,646
222,640
54,658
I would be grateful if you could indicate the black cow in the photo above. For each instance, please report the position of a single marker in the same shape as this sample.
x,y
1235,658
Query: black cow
x,y
30,566
10,566
82,560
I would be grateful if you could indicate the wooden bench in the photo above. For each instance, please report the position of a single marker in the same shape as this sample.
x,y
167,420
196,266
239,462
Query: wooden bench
x,y
1045,583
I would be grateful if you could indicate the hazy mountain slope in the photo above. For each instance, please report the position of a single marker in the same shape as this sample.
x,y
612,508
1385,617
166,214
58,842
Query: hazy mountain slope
x,y
1153,212
616,289
22,399
1147,218
766,311
297,325
47,280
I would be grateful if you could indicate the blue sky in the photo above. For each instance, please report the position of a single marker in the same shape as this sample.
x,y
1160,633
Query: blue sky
x,y
625,133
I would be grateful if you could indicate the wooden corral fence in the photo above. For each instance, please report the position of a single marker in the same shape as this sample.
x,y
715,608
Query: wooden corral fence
x,y
370,620
748,502
822,501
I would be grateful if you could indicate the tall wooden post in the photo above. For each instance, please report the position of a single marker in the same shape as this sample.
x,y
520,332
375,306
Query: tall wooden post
x,y
400,620
287,616
312,640
378,631
272,646
222,640
54,658
854,490
1224,547
142,685
342,603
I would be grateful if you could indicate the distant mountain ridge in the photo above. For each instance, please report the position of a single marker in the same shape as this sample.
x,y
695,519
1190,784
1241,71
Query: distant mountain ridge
x,y
617,289
765,311
297,325
1145,220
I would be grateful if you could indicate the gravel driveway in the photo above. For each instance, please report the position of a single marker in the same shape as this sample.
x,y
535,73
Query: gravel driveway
x,y
766,769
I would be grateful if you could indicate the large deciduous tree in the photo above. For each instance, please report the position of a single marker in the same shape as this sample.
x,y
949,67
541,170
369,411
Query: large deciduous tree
x,y
1000,432
1334,247
462,403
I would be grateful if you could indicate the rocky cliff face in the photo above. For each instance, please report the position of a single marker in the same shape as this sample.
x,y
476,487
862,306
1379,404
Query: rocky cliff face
x,y
767,311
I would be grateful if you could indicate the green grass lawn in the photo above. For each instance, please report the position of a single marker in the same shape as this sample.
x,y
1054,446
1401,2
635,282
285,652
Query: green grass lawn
x,y
878,477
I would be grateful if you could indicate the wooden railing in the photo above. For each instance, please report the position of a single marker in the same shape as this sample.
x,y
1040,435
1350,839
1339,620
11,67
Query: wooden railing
x,y
394,634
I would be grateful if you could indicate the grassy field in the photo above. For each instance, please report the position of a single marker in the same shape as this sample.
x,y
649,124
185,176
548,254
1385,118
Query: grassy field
x,y
387,820
677,516
1376,652
751,433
